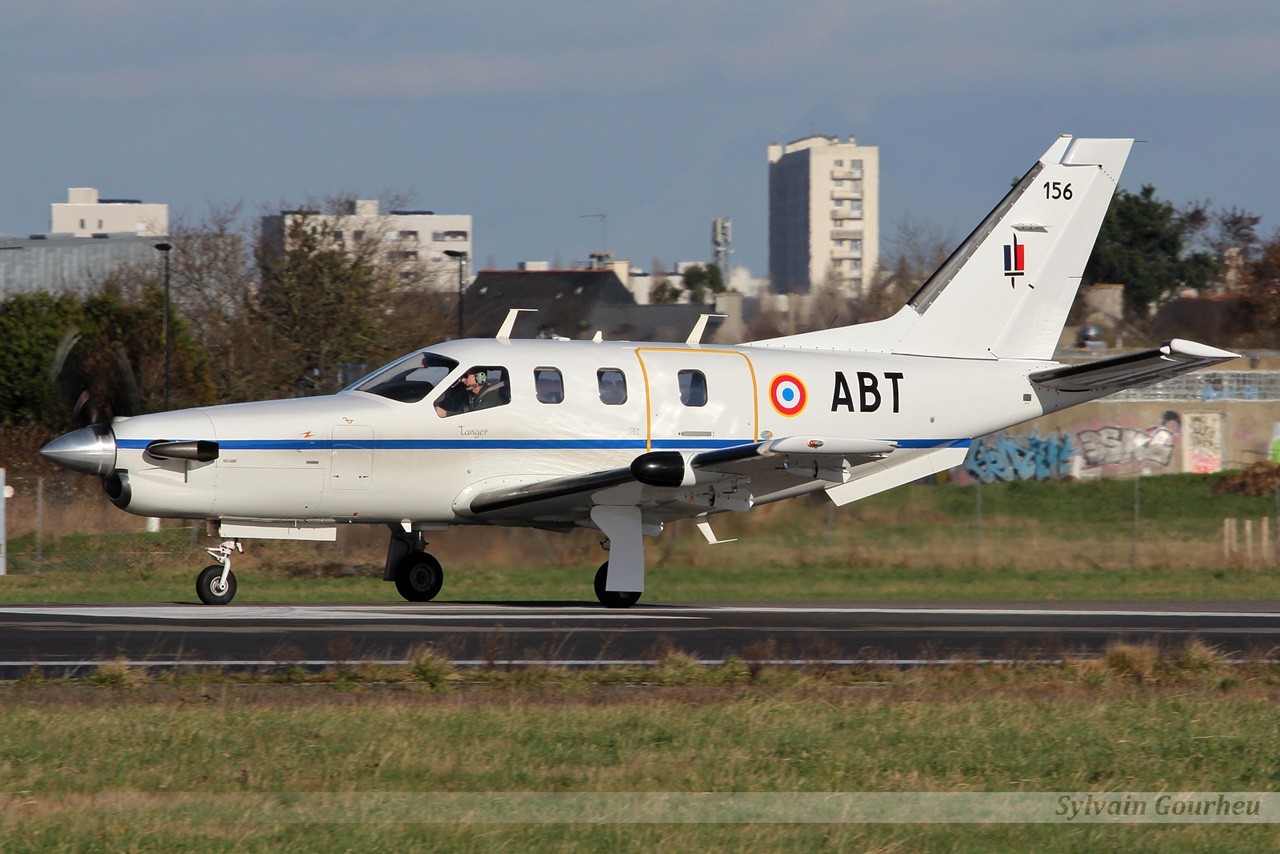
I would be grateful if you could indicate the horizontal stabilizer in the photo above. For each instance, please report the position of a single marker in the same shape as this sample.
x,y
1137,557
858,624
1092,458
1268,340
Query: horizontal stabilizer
x,y
1132,370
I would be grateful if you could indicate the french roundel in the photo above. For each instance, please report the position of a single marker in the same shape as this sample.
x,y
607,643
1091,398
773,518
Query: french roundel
x,y
787,394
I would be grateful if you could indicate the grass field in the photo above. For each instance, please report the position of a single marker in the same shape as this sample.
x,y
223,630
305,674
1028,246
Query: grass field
x,y
121,761
1010,541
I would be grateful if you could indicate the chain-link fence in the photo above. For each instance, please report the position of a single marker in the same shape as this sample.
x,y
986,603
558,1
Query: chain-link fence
x,y
1210,385
63,522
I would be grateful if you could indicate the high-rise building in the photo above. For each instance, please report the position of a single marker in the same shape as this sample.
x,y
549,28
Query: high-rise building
x,y
824,215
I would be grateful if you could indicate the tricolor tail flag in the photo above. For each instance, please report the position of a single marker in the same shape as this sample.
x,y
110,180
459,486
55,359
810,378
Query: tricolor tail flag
x,y
1015,259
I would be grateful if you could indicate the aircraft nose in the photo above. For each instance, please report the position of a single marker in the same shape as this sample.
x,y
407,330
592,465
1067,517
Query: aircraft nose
x,y
91,450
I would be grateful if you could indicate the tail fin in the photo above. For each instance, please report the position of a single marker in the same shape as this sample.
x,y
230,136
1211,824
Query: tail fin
x,y
1005,292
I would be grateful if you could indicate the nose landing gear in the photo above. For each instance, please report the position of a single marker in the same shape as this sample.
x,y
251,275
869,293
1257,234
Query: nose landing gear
x,y
216,585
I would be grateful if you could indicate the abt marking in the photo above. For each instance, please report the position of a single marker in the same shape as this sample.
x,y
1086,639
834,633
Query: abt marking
x,y
869,396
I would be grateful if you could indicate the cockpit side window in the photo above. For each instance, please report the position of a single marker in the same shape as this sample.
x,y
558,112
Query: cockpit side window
x,y
408,380
479,387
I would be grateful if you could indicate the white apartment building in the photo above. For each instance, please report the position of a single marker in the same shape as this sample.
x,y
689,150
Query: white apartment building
x,y
86,215
824,214
416,241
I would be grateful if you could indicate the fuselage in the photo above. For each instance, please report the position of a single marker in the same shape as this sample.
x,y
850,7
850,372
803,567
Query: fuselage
x,y
396,453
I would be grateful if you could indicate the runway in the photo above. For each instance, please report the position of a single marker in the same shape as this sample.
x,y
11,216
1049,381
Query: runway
x,y
70,638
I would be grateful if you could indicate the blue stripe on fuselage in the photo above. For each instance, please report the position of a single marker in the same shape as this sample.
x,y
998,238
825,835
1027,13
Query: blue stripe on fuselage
x,y
498,444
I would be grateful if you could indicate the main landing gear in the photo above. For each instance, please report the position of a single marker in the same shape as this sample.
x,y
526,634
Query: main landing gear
x,y
620,579
611,598
216,584
419,577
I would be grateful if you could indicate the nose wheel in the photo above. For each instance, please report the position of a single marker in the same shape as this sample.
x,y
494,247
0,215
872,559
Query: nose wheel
x,y
216,585
212,588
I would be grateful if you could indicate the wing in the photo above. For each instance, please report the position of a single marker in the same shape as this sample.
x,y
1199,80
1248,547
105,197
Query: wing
x,y
670,484
1132,370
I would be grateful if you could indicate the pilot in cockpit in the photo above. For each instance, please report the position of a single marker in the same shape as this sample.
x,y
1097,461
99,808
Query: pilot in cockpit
x,y
479,388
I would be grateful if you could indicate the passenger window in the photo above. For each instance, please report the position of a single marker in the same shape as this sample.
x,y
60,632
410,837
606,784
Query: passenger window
x,y
481,387
548,384
613,386
693,388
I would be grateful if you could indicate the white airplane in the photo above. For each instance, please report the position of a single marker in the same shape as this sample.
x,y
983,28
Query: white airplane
x,y
625,437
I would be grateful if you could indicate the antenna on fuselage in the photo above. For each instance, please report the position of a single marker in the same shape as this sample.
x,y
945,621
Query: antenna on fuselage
x,y
504,332
695,337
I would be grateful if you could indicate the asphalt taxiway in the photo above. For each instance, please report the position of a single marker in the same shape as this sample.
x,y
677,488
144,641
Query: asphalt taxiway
x,y
65,638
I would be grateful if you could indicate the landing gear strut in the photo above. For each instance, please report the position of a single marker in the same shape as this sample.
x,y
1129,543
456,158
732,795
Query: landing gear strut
x,y
621,585
216,584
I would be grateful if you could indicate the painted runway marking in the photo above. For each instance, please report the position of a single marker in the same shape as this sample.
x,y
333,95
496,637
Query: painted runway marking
x,y
993,612
467,612
328,612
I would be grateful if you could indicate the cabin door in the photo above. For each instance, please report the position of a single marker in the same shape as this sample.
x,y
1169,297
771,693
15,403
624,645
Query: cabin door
x,y
698,399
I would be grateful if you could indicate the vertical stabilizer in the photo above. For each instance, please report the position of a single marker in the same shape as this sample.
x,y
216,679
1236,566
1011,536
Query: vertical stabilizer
x,y
1005,292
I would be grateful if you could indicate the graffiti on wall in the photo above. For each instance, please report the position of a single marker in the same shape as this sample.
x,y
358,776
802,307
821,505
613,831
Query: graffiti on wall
x,y
1202,447
1033,457
1113,446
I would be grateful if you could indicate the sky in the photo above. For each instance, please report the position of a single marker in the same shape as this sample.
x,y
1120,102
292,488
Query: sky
x,y
535,115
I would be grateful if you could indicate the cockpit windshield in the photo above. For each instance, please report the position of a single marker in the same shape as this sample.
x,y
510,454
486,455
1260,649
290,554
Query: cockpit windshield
x,y
408,380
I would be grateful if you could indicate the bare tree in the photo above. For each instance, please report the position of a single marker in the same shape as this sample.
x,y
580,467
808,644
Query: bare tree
x,y
214,285
341,293
916,249
832,304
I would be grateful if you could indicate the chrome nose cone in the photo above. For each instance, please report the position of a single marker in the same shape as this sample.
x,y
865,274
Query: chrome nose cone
x,y
91,450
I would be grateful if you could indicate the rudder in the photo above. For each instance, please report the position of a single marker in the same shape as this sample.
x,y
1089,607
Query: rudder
x,y
1006,291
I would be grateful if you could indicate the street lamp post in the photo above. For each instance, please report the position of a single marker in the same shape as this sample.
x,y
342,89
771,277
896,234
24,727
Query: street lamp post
x,y
164,249
461,255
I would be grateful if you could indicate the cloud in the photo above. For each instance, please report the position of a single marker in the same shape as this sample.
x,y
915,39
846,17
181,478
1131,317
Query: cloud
x,y
821,48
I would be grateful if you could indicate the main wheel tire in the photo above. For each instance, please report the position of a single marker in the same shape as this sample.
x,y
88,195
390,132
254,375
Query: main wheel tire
x,y
419,577
211,590
612,598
